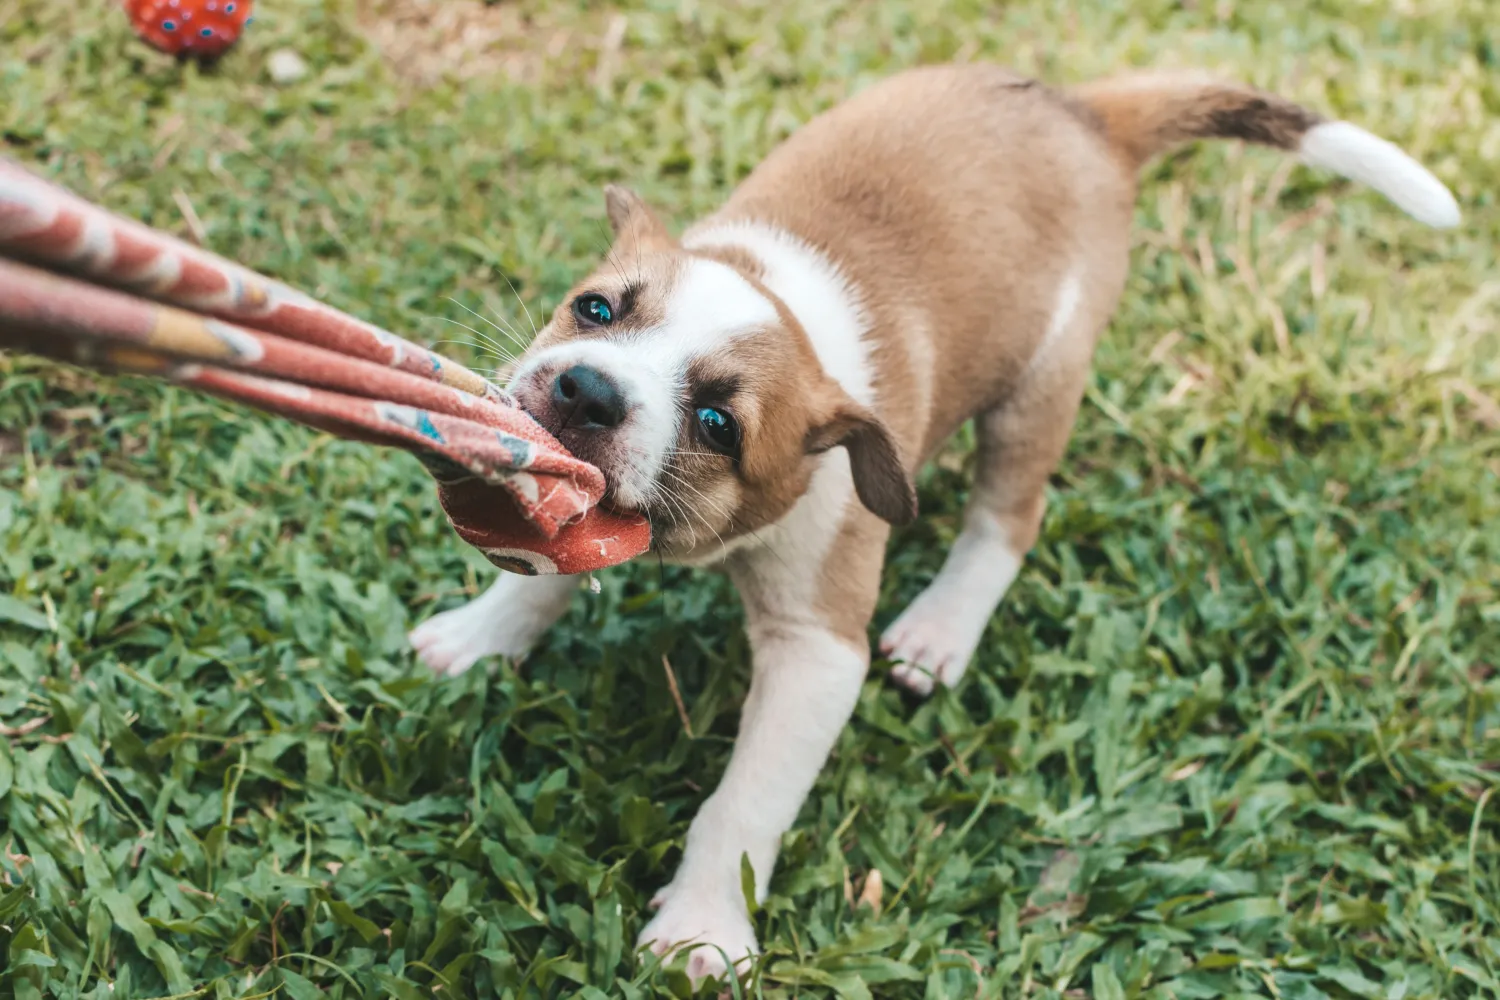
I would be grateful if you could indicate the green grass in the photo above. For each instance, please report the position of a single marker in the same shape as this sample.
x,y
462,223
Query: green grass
x,y
1235,731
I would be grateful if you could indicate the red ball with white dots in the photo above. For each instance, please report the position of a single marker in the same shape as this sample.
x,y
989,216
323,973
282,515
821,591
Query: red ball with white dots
x,y
190,27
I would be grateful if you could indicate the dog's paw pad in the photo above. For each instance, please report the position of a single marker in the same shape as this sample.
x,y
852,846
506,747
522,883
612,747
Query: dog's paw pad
x,y
708,929
452,642
928,646
917,679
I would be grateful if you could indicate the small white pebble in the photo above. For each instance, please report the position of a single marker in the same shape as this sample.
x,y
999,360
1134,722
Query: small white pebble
x,y
286,66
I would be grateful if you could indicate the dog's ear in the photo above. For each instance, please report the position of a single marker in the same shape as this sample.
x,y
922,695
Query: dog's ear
x,y
632,219
880,476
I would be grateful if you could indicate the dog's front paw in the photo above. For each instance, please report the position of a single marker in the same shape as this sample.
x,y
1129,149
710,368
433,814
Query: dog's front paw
x,y
506,620
452,642
714,925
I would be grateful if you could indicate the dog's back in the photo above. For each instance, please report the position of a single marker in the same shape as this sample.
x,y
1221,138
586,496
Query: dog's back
x,y
956,199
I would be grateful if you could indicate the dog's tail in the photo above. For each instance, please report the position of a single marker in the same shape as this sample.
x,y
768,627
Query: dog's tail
x,y
1144,114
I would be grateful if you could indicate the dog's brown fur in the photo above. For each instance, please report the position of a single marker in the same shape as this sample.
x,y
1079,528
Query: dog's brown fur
x,y
955,199
974,230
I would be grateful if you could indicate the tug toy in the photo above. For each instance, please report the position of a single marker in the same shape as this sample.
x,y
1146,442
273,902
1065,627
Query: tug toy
x,y
80,284
202,28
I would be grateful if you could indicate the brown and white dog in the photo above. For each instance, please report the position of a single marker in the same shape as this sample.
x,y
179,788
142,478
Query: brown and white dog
x,y
945,245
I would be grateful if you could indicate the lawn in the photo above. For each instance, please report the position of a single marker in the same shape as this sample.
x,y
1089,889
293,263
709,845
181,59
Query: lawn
x,y
1236,730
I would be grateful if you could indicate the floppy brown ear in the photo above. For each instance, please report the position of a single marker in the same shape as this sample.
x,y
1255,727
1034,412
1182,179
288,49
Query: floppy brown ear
x,y
880,477
631,218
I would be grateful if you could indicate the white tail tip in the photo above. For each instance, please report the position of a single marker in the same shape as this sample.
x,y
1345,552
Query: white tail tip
x,y
1351,151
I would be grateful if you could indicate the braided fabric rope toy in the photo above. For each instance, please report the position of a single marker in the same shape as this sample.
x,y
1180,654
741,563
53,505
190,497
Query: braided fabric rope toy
x,y
88,287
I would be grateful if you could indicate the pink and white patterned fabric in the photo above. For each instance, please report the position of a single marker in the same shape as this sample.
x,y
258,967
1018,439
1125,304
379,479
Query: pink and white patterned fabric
x,y
83,285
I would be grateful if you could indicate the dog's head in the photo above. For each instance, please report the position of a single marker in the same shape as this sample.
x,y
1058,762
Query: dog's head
x,y
696,392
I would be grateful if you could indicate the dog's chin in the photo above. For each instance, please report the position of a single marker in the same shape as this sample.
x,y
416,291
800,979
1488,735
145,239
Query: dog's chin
x,y
614,502
687,541
617,497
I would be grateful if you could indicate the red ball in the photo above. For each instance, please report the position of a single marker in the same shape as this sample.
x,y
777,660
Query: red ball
x,y
190,27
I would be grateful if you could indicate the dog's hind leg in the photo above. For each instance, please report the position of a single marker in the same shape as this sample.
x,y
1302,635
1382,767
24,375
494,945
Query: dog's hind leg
x,y
1020,442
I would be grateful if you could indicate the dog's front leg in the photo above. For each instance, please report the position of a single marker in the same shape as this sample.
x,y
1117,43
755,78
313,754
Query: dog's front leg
x,y
804,686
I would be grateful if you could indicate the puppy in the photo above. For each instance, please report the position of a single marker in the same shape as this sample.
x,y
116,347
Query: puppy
x,y
946,245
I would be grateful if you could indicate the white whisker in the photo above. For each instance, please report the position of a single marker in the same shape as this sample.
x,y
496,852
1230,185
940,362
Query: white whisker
x,y
485,319
510,331
698,454
490,342
717,508
484,352
520,300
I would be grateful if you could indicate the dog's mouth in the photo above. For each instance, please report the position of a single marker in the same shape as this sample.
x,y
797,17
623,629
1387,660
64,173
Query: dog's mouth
x,y
628,489
580,447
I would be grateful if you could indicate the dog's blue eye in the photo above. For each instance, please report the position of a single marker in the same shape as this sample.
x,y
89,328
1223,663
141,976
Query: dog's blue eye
x,y
719,430
593,310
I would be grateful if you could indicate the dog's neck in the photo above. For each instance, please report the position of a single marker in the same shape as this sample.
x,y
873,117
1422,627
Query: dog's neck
x,y
825,303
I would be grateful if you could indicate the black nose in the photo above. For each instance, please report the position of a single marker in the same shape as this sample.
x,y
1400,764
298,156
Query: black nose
x,y
586,400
